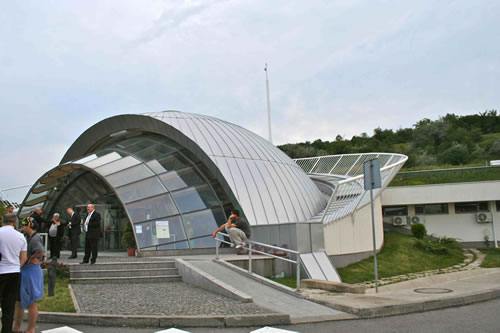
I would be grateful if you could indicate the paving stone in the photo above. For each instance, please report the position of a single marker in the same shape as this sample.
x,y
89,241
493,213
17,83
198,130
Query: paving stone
x,y
172,298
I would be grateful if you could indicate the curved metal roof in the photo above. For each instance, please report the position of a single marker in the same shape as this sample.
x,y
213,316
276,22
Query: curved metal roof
x,y
269,186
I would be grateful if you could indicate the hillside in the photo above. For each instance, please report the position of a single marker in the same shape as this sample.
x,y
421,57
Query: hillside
x,y
449,141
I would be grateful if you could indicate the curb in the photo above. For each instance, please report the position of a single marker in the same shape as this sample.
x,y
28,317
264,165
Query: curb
x,y
405,308
106,320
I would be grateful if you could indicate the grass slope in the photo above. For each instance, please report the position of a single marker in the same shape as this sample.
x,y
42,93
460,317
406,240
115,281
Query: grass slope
x,y
492,258
448,176
399,256
61,302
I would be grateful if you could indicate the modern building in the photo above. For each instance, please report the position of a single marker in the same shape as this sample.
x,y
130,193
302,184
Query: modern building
x,y
467,211
175,176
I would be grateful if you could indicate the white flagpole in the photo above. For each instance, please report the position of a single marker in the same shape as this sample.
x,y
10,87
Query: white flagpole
x,y
268,107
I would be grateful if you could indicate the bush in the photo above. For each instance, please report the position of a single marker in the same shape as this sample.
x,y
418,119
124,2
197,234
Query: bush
x,y
418,230
430,246
449,242
128,238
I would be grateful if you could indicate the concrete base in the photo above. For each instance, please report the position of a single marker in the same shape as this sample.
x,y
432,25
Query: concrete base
x,y
333,286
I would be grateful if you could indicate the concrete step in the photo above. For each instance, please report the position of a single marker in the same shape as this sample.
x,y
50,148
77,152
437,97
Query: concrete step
x,y
126,272
108,266
135,279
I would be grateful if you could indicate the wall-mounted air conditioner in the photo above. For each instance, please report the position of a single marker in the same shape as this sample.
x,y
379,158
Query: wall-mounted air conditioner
x,y
484,217
417,219
399,220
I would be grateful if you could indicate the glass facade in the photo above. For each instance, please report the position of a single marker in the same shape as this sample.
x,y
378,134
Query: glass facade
x,y
170,197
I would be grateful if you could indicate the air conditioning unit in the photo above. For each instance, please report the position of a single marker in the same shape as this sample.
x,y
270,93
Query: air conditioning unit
x,y
417,219
399,220
484,217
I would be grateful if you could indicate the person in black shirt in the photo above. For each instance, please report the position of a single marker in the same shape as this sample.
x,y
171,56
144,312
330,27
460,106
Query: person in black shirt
x,y
237,228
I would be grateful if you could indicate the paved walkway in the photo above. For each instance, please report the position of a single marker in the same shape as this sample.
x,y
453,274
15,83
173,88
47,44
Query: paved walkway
x,y
299,309
423,294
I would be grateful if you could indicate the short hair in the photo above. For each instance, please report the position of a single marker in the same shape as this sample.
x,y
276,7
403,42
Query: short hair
x,y
10,205
235,212
9,219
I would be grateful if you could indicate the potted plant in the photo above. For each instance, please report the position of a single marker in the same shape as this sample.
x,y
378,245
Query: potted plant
x,y
128,240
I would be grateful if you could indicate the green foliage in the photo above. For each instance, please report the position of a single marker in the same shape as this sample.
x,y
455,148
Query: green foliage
x,y
428,245
452,139
492,258
446,176
418,230
128,238
61,301
399,256
287,281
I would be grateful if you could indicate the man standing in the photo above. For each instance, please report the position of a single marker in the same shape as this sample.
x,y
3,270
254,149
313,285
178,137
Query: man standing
x,y
74,231
93,233
13,249
237,228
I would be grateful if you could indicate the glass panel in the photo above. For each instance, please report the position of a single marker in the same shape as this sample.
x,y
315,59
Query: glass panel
x,y
195,198
203,223
186,177
151,208
394,210
122,163
85,159
156,167
163,230
498,206
145,188
173,162
129,175
103,160
432,209
471,207
154,151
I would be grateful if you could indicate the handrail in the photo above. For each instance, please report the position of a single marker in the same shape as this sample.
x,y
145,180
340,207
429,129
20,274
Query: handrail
x,y
250,250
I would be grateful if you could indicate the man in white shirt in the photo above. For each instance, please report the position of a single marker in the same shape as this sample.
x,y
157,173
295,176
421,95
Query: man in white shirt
x,y
13,249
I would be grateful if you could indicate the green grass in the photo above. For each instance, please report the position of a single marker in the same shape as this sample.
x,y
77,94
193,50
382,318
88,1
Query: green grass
x,y
492,258
399,256
287,281
61,301
446,176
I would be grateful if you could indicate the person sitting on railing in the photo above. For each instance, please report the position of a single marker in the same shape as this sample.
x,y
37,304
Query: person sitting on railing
x,y
237,228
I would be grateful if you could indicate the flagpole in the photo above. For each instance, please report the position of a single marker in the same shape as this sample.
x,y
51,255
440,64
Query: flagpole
x,y
268,107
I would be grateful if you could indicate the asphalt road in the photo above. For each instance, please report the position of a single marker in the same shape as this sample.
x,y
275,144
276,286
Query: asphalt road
x,y
480,317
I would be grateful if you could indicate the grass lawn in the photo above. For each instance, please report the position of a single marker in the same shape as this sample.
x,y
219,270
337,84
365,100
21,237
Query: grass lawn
x,y
446,176
492,258
399,256
61,302
287,281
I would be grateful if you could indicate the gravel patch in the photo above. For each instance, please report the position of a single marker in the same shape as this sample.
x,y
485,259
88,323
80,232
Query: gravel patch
x,y
166,299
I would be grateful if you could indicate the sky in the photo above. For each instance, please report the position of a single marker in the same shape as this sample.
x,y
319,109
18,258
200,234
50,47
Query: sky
x,y
335,67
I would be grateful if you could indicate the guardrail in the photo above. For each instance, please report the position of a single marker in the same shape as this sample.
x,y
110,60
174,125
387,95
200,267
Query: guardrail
x,y
349,193
250,250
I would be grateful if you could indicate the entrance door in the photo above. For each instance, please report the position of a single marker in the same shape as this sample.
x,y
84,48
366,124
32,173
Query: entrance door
x,y
112,224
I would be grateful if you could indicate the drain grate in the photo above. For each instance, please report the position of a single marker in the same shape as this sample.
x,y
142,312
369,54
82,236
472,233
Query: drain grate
x,y
433,290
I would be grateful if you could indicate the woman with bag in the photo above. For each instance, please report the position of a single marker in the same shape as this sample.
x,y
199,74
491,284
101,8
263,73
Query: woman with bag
x,y
56,233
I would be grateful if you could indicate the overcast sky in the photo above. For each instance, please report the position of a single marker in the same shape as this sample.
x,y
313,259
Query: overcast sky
x,y
336,67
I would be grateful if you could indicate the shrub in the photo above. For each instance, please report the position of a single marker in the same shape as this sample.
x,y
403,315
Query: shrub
x,y
418,230
128,238
449,242
430,246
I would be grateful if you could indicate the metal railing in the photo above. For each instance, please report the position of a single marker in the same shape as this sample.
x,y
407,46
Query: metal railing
x,y
349,193
250,250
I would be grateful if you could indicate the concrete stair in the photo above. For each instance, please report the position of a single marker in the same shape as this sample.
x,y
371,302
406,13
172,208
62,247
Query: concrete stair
x,y
125,272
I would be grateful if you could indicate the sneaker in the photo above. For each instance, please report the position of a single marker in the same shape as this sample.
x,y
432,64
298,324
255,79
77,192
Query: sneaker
x,y
239,246
233,245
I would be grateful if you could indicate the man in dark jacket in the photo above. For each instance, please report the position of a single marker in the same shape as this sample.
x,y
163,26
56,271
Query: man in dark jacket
x,y
74,231
93,233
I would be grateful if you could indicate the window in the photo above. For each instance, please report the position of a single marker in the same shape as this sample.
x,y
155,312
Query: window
x,y
498,206
431,209
394,210
471,207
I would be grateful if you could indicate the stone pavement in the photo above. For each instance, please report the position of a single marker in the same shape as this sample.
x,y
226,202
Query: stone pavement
x,y
170,298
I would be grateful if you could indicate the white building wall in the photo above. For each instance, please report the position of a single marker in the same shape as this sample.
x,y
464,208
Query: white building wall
x,y
353,234
462,226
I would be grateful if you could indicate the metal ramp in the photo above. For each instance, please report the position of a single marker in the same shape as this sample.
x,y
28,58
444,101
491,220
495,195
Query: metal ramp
x,y
319,267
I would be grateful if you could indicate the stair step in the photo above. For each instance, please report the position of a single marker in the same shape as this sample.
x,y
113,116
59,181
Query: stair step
x,y
137,279
123,272
123,265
